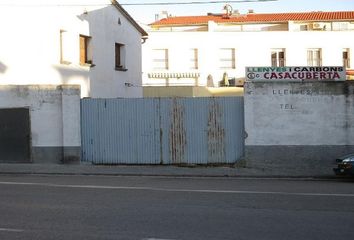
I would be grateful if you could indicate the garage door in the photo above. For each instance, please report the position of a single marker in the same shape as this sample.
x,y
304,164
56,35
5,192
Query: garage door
x,y
14,135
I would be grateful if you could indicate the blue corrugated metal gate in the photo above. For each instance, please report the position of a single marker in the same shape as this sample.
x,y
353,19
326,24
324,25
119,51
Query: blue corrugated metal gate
x,y
162,130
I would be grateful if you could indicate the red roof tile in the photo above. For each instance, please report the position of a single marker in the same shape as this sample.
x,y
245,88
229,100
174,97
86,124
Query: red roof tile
x,y
256,18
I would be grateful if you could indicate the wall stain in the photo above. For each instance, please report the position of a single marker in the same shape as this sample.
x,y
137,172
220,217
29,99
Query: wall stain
x,y
177,133
216,134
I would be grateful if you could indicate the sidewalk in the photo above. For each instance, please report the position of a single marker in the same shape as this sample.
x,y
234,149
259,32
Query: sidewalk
x,y
148,170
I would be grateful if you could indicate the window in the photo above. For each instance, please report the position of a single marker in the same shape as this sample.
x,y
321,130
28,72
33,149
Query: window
x,y
340,26
304,27
160,59
227,58
346,58
64,47
85,50
193,53
278,57
120,56
314,57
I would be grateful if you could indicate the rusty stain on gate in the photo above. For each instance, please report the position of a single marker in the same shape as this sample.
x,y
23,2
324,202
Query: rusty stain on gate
x,y
216,134
162,131
177,133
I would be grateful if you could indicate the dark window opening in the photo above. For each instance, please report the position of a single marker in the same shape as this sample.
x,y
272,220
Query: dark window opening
x,y
119,57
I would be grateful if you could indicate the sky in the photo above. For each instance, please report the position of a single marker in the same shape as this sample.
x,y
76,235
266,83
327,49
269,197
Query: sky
x,y
146,14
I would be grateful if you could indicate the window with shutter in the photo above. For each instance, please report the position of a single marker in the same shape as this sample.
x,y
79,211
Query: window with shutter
x,y
278,57
314,57
85,50
227,58
160,59
193,61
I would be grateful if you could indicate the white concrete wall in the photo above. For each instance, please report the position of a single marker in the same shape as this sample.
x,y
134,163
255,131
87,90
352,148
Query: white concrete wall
x,y
252,49
54,117
30,46
313,113
70,113
298,127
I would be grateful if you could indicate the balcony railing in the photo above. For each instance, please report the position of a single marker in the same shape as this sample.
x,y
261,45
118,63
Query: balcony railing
x,y
174,75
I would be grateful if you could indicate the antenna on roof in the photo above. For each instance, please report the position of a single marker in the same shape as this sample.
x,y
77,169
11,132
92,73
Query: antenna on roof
x,y
228,9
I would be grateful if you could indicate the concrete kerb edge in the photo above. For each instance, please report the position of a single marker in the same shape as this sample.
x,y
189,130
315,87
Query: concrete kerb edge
x,y
180,175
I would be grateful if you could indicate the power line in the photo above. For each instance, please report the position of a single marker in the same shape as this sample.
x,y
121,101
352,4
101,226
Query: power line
x,y
193,3
136,4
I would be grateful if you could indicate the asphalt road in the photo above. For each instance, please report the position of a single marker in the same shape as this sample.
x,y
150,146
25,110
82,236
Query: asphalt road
x,y
156,208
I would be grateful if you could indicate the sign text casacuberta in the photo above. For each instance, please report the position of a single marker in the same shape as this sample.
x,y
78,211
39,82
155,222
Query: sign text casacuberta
x,y
295,73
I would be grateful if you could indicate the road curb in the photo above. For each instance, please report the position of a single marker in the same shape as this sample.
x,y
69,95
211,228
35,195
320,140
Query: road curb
x,y
149,171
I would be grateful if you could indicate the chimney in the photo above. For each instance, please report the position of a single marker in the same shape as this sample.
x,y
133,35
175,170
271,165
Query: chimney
x,y
162,15
250,11
236,13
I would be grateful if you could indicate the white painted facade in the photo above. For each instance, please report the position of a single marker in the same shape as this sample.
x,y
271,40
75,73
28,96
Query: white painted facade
x,y
33,49
252,44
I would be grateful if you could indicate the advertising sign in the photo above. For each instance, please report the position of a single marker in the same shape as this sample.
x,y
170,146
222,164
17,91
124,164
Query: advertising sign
x,y
295,74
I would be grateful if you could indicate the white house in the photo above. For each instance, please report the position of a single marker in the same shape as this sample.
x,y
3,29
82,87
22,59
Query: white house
x,y
52,53
199,50
93,43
